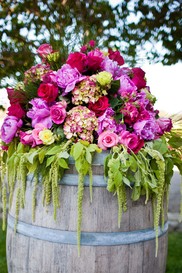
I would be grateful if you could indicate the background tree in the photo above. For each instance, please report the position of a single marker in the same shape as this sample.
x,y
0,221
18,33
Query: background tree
x,y
133,26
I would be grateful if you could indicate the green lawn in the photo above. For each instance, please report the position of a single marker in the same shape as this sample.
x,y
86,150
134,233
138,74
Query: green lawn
x,y
174,260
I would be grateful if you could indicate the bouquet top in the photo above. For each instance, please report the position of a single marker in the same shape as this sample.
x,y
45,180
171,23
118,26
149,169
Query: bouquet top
x,y
92,97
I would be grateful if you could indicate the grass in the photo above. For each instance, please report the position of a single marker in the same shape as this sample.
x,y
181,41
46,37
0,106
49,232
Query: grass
x,y
174,261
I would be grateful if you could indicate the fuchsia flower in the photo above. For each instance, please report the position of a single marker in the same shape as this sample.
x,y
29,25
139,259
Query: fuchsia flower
x,y
146,129
94,60
44,50
116,56
131,141
16,96
107,139
164,125
9,128
48,92
77,60
138,77
26,138
16,110
49,77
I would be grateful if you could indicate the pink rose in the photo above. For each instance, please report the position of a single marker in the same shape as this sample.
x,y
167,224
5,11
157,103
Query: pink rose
x,y
99,106
9,128
77,60
58,112
131,141
94,59
35,133
107,139
48,92
16,110
116,56
44,50
138,77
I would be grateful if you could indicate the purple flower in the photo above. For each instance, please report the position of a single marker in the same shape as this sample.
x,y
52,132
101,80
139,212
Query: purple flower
x,y
146,129
164,125
40,113
107,122
127,87
67,77
9,128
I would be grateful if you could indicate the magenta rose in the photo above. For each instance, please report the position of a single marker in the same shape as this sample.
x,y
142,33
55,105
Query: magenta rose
x,y
99,106
138,77
77,60
131,141
116,56
107,139
67,77
48,92
94,59
127,87
16,110
26,138
9,128
44,50
58,112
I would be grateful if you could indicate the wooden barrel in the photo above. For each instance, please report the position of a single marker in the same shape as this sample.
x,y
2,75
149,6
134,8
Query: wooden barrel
x,y
48,246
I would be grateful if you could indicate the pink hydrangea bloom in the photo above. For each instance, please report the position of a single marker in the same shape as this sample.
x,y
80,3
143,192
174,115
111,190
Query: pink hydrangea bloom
x,y
80,123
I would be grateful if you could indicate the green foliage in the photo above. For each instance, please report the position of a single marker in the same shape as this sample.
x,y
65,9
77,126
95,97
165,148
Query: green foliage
x,y
131,26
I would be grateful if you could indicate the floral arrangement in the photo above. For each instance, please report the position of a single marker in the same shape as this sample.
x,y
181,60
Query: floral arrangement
x,y
90,103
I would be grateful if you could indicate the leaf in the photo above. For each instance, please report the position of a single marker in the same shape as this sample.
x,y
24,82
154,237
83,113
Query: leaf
x,y
133,164
53,150
63,155
50,160
175,141
31,155
63,164
160,146
88,156
77,150
126,181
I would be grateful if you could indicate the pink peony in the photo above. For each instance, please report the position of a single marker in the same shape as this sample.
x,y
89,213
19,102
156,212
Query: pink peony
x,y
146,129
16,110
26,138
48,92
131,141
40,113
77,60
67,77
9,128
127,87
107,139
44,50
58,112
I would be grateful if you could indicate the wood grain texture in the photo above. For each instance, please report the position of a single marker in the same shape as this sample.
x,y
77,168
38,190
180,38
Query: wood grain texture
x,y
29,255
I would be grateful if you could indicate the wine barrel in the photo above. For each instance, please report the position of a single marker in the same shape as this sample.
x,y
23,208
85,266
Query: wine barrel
x,y
48,246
